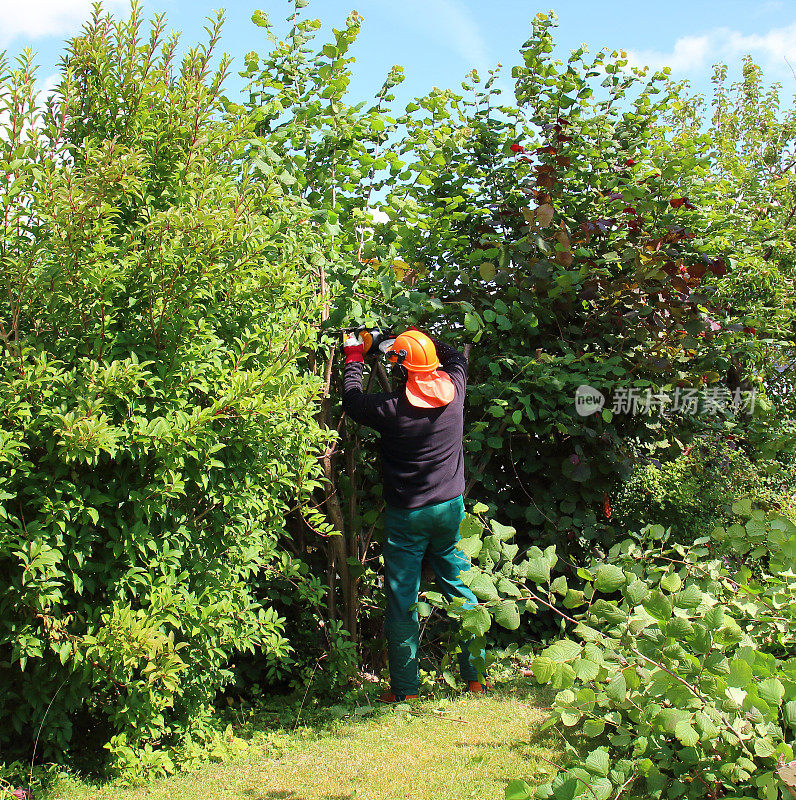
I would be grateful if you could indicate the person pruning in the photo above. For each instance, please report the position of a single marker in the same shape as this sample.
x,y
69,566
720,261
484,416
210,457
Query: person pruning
x,y
421,424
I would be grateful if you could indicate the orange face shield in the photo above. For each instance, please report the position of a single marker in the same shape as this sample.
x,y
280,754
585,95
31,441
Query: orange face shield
x,y
429,389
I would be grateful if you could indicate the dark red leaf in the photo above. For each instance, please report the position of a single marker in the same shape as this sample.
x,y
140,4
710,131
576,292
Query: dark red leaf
x,y
718,267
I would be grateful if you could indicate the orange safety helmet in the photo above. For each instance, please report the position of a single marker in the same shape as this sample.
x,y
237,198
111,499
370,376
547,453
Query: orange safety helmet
x,y
415,351
426,386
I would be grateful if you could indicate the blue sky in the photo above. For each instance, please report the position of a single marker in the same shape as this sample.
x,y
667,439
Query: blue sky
x,y
438,41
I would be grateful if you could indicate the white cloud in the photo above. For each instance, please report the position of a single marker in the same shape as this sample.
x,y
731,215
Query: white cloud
x,y
33,19
697,53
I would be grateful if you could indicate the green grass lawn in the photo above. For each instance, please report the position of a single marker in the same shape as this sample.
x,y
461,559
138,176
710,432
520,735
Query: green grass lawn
x,y
469,747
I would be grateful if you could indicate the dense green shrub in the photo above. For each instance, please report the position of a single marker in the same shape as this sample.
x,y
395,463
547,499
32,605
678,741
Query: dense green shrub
x,y
546,234
155,425
678,677
694,491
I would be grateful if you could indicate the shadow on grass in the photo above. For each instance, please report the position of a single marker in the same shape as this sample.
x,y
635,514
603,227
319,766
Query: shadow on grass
x,y
281,716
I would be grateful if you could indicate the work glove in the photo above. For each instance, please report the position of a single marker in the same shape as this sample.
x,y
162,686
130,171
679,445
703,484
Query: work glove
x,y
353,349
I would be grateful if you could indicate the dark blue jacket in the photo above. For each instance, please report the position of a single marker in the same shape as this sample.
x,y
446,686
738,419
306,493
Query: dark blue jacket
x,y
422,462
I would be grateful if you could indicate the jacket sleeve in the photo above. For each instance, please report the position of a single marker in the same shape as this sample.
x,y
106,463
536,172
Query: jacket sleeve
x,y
375,410
453,363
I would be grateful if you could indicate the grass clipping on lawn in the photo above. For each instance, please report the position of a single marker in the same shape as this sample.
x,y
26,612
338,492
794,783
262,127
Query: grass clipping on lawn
x,y
471,750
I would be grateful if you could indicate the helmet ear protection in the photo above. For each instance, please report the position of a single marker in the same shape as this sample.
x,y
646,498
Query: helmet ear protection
x,y
397,356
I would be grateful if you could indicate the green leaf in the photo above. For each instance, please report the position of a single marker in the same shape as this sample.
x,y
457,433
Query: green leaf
x,y
636,592
685,733
508,587
518,790
587,633
609,578
477,620
736,696
423,609
487,270
743,508
472,322
690,597
671,582
570,717
507,615
714,618
764,748
543,669
771,690
593,728
616,688
669,718
741,674
562,651
471,546
608,611
597,763
658,606
471,526
573,598
586,670
503,532
483,587
538,570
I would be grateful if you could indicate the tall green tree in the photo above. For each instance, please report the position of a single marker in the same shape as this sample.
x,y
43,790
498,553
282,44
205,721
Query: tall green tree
x,y
155,425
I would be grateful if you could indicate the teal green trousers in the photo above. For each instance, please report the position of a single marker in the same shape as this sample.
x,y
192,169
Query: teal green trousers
x,y
410,533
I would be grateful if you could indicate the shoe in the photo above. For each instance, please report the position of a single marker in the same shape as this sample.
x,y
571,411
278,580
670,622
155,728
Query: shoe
x,y
478,688
390,697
